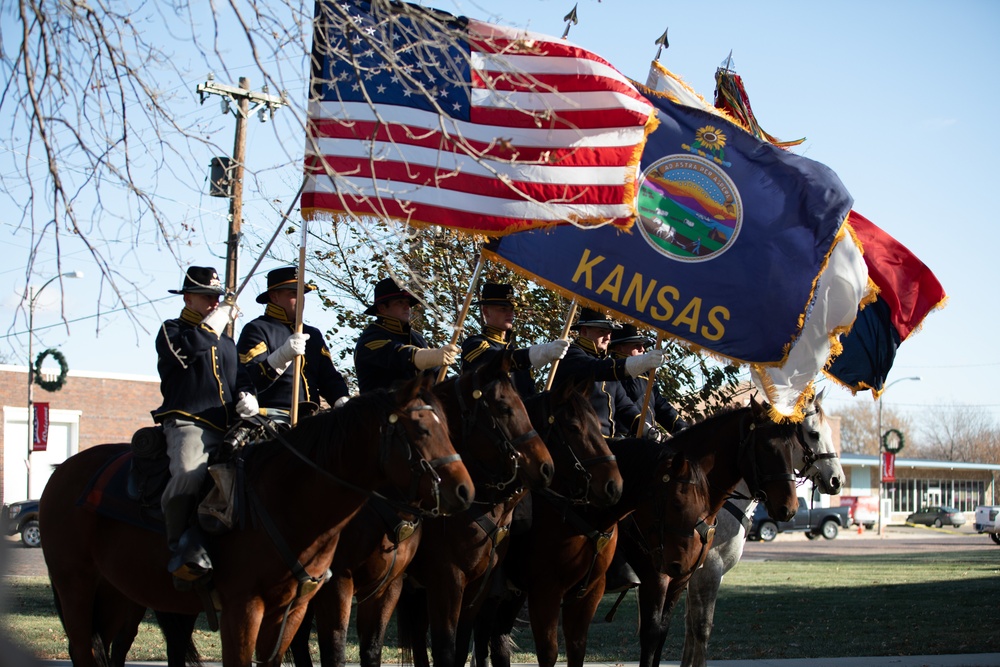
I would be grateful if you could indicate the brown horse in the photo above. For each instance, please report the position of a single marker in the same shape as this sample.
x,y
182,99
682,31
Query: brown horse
x,y
725,448
455,569
578,542
496,441
660,592
300,498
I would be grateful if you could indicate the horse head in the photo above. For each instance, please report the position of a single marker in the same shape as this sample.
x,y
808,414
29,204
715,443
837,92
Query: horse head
x,y
585,469
417,452
491,426
676,529
817,458
767,449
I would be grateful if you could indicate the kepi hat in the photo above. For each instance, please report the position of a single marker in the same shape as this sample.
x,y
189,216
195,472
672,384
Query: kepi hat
x,y
201,280
287,277
386,290
592,318
629,334
497,294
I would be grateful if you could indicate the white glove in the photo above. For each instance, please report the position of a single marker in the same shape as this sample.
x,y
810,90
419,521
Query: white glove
x,y
219,319
432,357
247,406
546,353
282,358
340,401
640,363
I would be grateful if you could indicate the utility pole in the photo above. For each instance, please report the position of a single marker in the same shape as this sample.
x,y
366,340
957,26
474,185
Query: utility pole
x,y
265,106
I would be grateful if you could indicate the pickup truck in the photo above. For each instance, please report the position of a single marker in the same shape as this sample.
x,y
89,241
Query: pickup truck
x,y
988,521
825,521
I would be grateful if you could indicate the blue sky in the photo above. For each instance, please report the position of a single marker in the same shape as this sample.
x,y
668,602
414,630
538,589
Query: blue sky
x,y
894,96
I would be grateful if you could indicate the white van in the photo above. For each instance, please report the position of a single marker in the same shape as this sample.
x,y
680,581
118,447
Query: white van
x,y
988,521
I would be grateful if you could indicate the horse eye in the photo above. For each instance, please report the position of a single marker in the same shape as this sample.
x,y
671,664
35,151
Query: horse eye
x,y
814,435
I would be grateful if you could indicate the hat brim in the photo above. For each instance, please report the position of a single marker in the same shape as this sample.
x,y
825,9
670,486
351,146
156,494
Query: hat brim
x,y
288,284
496,302
371,310
647,342
199,290
597,324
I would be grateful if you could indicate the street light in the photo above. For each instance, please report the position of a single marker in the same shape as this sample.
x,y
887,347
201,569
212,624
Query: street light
x,y
879,446
32,297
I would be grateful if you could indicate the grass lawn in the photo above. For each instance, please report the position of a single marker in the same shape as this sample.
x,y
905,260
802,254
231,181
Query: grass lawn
x,y
907,604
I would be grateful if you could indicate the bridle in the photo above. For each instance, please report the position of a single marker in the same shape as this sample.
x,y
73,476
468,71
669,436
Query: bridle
x,y
482,415
393,433
556,434
746,455
810,457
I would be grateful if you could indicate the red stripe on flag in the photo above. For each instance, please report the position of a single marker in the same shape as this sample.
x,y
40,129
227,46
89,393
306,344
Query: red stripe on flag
x,y
905,283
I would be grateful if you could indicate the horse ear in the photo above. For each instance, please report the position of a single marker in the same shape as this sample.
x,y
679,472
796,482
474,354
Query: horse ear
x,y
757,408
411,389
819,397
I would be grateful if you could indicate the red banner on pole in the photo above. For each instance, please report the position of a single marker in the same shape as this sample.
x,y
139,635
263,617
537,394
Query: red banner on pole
x,y
888,467
41,435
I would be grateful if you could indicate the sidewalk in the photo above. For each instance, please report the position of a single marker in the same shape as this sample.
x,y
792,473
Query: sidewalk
x,y
968,660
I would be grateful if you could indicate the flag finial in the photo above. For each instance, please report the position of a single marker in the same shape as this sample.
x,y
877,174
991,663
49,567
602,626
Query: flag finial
x,y
728,64
662,42
570,19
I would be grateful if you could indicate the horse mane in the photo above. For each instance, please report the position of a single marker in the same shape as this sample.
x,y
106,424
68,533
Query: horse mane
x,y
318,437
638,456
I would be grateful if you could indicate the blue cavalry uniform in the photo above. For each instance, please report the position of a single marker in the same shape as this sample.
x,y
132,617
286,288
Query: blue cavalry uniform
x,y
319,377
199,373
479,349
385,351
618,414
660,410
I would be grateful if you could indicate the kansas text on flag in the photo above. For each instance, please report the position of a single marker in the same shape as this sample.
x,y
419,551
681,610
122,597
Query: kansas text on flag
x,y
731,235
431,119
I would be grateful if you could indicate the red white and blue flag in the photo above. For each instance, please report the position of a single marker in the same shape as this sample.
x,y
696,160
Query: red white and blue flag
x,y
908,291
428,118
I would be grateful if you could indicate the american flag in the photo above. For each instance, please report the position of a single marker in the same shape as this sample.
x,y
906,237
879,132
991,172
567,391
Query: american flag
x,y
428,118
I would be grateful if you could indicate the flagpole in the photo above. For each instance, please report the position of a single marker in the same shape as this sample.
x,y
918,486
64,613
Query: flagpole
x,y
649,392
300,285
465,310
565,336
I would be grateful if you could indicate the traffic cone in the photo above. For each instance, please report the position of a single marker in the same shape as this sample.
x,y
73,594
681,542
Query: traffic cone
x,y
861,529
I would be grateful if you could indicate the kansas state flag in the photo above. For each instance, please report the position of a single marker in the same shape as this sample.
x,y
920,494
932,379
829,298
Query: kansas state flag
x,y
732,233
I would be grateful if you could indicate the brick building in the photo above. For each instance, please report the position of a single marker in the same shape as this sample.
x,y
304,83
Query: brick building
x,y
91,409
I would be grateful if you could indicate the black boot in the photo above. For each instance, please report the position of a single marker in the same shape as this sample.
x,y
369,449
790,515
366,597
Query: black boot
x,y
620,576
188,559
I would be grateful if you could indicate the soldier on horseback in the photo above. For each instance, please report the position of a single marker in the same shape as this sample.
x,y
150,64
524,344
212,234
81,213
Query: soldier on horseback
x,y
497,306
388,350
200,380
625,343
269,345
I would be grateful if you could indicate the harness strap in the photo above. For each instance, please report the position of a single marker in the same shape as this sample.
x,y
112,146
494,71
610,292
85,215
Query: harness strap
x,y
599,538
307,583
740,515
496,533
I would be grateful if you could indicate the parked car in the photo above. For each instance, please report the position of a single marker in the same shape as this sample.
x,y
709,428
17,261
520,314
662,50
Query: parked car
x,y
937,516
988,521
825,521
22,517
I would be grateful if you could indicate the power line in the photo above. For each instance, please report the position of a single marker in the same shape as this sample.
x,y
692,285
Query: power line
x,y
85,317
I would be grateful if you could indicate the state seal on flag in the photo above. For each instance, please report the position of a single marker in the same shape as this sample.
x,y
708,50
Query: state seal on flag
x,y
689,208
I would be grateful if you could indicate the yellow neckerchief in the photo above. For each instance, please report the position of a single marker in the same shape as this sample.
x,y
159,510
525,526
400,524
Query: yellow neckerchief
x,y
278,313
190,316
590,346
392,324
495,334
